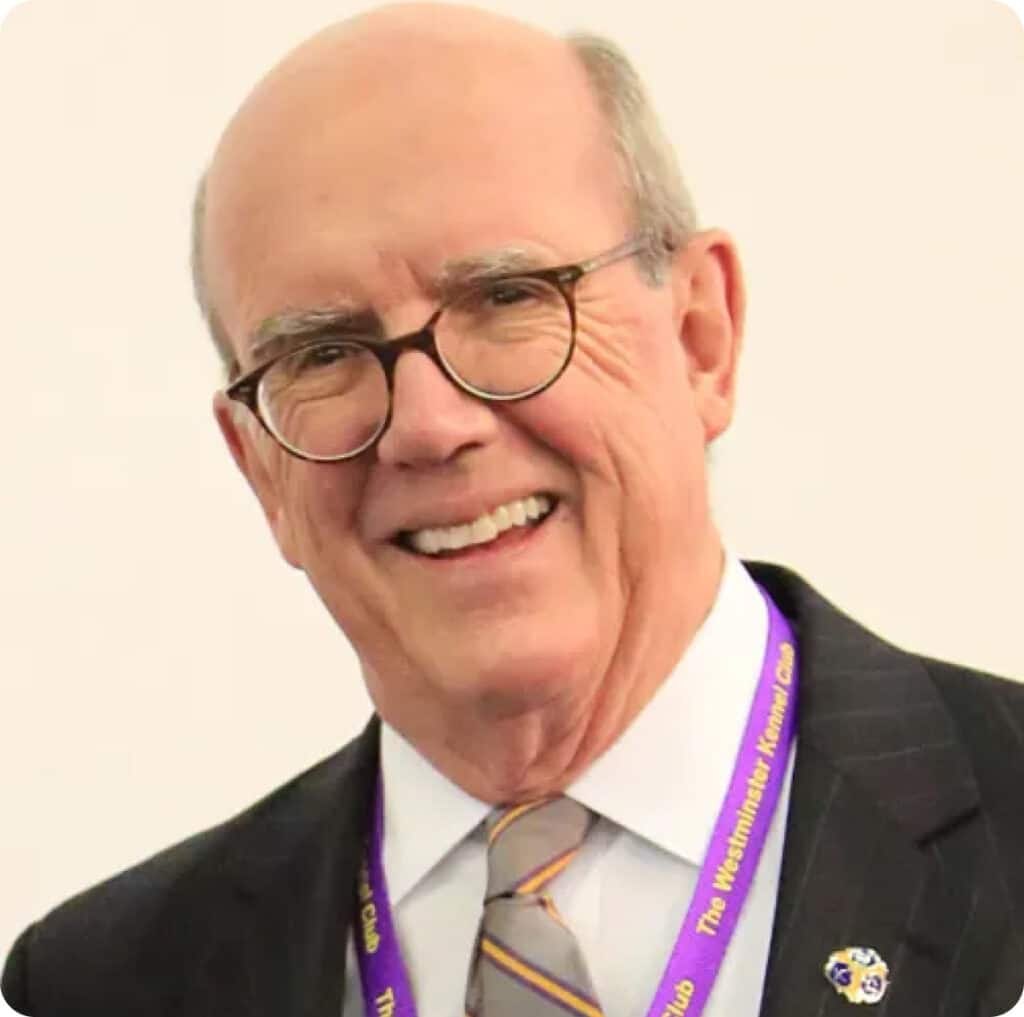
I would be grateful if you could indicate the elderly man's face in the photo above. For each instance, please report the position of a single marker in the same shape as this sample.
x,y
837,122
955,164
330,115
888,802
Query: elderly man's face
x,y
355,178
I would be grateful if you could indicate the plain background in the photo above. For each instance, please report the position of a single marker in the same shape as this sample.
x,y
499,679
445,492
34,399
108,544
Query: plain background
x,y
161,668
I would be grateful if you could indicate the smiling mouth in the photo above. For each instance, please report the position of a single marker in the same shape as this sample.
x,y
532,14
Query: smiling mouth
x,y
504,524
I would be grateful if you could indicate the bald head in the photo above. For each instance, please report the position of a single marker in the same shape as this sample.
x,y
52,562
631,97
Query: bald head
x,y
374,110
421,62
395,121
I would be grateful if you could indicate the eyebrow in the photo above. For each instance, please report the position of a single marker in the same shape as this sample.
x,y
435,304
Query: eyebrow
x,y
460,272
292,327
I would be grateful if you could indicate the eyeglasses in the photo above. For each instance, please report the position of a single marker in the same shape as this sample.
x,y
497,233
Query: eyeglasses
x,y
501,340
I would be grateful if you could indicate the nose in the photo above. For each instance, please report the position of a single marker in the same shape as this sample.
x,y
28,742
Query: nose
x,y
432,419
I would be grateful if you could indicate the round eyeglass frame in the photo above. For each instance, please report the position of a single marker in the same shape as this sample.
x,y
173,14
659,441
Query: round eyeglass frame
x,y
248,391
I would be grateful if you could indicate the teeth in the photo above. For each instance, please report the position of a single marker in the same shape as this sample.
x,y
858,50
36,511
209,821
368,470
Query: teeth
x,y
425,541
459,537
482,530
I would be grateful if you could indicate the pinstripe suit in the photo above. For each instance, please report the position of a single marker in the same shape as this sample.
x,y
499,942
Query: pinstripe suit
x,y
905,833
906,824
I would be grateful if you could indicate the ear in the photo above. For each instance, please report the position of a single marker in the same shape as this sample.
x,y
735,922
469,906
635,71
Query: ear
x,y
711,300
237,426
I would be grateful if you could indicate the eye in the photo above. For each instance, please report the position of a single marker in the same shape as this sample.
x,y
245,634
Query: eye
x,y
323,355
509,291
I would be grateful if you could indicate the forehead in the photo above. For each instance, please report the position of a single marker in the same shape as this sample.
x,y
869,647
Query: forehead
x,y
366,168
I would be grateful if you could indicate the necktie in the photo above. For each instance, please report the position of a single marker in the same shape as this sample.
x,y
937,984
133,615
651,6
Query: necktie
x,y
527,962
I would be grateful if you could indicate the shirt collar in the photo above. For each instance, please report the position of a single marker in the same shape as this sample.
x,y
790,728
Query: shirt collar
x,y
425,814
685,738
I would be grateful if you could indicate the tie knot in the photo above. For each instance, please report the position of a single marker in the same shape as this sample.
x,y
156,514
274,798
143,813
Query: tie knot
x,y
529,844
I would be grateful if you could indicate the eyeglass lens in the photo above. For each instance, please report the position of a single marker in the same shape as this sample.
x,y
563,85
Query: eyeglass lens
x,y
501,340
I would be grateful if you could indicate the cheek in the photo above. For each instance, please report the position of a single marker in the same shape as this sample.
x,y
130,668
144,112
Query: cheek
x,y
323,513
321,503
624,402
624,418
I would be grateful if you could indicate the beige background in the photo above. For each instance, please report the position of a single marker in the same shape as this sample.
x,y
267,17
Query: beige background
x,y
161,668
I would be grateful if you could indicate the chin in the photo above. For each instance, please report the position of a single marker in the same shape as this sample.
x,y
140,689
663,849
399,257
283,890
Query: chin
x,y
511,676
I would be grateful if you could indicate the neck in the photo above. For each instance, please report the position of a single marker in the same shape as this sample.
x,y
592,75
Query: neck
x,y
509,752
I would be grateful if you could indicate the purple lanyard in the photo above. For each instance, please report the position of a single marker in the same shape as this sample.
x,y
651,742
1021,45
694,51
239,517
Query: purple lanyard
x,y
722,886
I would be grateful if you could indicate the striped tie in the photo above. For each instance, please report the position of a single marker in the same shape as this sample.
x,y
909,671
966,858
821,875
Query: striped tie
x,y
527,961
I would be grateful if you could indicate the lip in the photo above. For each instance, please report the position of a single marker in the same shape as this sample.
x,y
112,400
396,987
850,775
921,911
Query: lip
x,y
457,511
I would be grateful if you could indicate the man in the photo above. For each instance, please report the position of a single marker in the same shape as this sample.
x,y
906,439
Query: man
x,y
504,506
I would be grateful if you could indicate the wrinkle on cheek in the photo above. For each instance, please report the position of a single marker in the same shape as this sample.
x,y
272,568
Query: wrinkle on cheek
x,y
641,529
630,355
626,343
320,505
605,353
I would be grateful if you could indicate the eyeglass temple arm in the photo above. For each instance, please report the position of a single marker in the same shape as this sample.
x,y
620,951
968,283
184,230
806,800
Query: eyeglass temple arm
x,y
624,250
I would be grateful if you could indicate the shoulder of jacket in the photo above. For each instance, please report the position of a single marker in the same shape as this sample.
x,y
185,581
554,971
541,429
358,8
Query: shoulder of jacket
x,y
101,932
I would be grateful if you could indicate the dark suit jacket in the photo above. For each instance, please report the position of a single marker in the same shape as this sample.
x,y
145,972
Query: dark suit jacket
x,y
905,833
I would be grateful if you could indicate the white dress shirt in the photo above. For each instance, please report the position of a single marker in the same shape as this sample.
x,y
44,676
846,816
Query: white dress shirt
x,y
657,792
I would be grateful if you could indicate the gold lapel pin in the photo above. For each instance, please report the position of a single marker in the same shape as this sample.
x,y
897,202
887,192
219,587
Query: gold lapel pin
x,y
858,974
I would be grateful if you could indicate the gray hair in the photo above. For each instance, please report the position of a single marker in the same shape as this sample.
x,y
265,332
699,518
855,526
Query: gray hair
x,y
221,340
662,207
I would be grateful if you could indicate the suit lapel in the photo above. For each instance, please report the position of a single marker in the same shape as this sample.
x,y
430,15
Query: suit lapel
x,y
853,877
884,836
280,899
